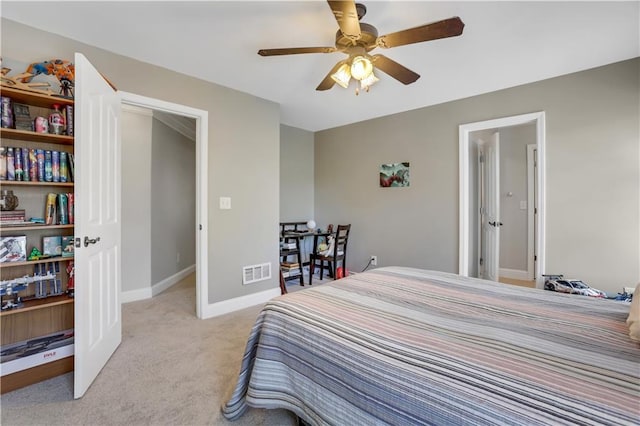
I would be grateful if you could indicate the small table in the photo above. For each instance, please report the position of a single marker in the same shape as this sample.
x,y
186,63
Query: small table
x,y
299,236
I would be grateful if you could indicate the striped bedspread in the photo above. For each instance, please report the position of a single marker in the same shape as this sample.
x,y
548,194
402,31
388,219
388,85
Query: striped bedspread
x,y
406,346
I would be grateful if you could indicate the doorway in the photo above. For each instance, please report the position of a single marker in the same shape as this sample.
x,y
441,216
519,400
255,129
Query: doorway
x,y
201,158
523,202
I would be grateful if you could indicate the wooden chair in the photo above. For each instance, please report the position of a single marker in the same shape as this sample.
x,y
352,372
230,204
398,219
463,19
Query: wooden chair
x,y
338,254
283,284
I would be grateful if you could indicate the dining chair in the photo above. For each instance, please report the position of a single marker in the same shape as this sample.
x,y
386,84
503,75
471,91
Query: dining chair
x,y
329,258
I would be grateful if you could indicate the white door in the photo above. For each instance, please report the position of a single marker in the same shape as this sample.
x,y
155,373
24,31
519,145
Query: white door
x,y
491,218
98,327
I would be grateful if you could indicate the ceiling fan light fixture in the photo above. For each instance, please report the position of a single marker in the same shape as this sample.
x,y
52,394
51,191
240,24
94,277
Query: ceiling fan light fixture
x,y
366,82
342,76
361,67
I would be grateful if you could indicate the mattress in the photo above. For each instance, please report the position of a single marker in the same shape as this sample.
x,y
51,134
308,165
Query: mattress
x,y
406,346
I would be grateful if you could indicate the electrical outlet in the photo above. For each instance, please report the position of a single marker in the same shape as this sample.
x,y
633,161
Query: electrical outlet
x,y
374,260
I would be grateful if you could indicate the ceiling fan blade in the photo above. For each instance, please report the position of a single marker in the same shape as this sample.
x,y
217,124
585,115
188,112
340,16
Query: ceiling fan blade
x,y
442,29
328,82
347,18
295,51
401,73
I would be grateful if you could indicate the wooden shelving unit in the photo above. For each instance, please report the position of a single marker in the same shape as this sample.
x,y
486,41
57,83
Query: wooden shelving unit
x,y
29,183
25,135
33,304
35,262
19,228
34,98
36,317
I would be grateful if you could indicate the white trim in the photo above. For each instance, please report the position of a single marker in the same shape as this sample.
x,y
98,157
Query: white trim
x,y
178,123
137,110
237,303
531,204
202,158
174,279
514,274
135,295
463,138
157,288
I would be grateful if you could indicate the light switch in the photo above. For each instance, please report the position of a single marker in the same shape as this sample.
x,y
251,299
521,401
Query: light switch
x,y
225,203
523,205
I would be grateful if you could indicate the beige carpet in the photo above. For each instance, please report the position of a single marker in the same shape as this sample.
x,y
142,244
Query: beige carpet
x,y
170,369
521,283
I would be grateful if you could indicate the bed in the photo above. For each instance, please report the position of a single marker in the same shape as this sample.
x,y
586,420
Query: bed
x,y
407,346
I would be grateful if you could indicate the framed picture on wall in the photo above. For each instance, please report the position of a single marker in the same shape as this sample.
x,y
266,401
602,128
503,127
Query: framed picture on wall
x,y
394,175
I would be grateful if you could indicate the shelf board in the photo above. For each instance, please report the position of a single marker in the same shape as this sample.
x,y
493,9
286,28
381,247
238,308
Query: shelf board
x,y
35,183
33,262
35,304
36,374
25,135
34,98
19,228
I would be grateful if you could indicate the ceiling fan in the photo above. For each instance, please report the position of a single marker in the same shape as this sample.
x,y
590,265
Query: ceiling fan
x,y
357,39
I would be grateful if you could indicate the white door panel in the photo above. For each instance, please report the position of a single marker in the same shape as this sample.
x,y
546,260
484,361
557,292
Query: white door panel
x,y
98,324
491,223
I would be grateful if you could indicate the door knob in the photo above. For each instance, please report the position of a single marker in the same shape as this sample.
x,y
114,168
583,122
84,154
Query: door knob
x,y
88,240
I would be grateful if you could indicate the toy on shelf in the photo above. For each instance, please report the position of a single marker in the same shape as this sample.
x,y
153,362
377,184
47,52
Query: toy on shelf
x,y
62,70
71,270
45,278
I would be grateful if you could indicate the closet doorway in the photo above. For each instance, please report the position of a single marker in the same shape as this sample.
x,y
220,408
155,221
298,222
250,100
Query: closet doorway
x,y
168,238
502,199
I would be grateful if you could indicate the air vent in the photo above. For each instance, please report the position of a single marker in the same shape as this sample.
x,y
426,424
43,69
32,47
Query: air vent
x,y
255,273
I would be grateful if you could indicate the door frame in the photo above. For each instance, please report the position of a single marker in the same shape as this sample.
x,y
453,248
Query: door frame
x,y
531,214
202,138
464,131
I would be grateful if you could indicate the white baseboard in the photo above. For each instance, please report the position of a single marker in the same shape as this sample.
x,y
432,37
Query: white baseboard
x,y
134,295
237,303
158,288
154,290
515,274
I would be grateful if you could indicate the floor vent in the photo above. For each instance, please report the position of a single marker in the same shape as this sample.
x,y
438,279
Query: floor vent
x,y
255,273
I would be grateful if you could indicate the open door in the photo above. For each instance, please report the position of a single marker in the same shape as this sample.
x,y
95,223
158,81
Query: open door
x,y
490,212
98,325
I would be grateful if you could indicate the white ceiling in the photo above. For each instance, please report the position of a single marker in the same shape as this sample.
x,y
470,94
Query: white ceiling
x,y
504,44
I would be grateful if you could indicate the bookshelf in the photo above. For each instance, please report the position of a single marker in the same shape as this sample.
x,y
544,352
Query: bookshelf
x,y
39,316
291,262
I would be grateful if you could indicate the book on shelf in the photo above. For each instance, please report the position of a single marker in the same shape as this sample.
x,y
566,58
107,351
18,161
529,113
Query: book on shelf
x,y
288,246
289,265
67,246
22,117
52,246
59,209
292,273
18,223
9,216
37,165
3,163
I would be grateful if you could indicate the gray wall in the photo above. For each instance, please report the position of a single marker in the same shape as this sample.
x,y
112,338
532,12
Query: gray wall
x,y
513,179
243,160
173,202
296,174
158,200
593,202
136,198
